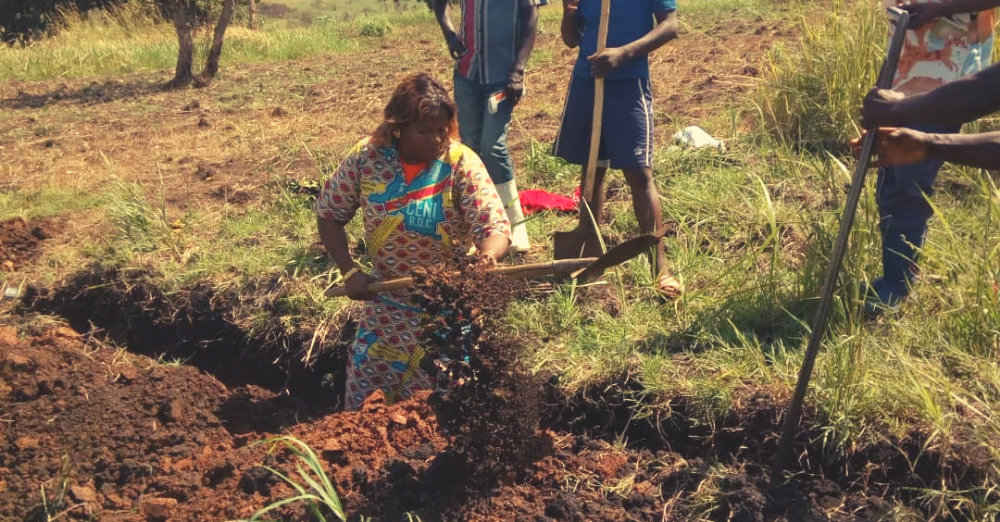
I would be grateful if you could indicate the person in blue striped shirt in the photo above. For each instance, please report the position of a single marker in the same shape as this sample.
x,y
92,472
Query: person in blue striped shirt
x,y
491,49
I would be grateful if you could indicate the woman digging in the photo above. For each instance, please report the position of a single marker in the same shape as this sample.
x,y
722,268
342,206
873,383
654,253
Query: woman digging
x,y
421,193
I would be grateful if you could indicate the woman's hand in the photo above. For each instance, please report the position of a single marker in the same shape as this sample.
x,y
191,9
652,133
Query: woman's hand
x,y
487,259
896,146
357,286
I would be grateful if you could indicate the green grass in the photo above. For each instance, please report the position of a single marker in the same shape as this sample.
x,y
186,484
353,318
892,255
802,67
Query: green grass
x,y
312,485
753,229
115,47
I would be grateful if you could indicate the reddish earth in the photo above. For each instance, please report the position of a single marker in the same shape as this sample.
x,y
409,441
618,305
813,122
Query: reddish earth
x,y
113,436
107,435
20,241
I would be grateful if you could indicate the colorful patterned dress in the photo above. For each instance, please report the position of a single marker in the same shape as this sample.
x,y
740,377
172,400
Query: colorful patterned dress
x,y
943,50
405,225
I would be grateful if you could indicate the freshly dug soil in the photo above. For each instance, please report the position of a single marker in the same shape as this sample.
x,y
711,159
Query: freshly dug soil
x,y
20,241
113,436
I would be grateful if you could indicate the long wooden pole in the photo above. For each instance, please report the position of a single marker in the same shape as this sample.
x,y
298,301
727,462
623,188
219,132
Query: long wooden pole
x,y
533,270
597,121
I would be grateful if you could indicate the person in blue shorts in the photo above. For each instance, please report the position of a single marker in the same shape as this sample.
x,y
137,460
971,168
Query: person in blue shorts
x,y
635,29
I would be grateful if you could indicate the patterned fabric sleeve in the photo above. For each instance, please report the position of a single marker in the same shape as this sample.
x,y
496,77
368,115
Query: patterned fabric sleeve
x,y
479,202
339,198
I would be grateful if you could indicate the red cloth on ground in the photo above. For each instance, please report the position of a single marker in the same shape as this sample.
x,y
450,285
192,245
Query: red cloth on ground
x,y
534,200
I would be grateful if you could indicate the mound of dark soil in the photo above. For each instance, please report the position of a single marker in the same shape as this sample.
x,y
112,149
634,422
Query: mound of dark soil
x,y
119,437
488,404
20,241
97,431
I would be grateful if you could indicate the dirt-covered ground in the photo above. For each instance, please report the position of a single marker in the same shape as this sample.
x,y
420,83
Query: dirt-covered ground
x,y
119,401
106,435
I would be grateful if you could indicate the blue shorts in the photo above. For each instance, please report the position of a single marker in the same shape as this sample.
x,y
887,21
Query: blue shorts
x,y
627,129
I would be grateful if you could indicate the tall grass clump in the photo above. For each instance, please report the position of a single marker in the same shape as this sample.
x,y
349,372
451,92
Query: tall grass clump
x,y
811,95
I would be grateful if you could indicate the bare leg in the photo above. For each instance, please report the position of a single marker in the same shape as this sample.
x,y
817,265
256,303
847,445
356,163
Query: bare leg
x,y
646,204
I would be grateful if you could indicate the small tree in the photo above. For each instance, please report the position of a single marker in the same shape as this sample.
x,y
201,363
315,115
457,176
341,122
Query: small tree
x,y
180,13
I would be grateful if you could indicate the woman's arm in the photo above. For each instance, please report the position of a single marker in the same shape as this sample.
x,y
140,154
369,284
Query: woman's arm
x,y
334,238
336,205
481,206
904,146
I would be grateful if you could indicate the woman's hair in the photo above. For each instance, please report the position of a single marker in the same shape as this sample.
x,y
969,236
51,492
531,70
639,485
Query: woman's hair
x,y
416,95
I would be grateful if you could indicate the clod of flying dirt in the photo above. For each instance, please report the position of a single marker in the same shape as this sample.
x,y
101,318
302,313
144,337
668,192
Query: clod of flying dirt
x,y
172,411
19,363
279,112
157,508
194,104
564,506
258,479
26,443
83,494
202,122
488,404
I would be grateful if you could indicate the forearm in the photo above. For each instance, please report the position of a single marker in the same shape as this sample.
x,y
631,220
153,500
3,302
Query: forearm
x,y
570,31
974,150
967,6
495,245
528,28
665,30
334,238
443,14
959,101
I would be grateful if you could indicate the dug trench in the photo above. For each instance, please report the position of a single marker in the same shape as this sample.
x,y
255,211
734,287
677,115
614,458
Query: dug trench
x,y
96,433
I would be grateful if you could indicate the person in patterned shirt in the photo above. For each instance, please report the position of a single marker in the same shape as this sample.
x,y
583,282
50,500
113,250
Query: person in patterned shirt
x,y
946,40
956,102
421,194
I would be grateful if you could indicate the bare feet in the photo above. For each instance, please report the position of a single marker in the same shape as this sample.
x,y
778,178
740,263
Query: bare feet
x,y
669,286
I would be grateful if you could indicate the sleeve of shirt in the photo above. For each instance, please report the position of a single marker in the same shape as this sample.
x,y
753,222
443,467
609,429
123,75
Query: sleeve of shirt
x,y
529,3
660,6
478,201
339,198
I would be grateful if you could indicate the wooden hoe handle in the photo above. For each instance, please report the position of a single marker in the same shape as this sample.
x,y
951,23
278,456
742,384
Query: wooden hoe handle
x,y
522,271
587,190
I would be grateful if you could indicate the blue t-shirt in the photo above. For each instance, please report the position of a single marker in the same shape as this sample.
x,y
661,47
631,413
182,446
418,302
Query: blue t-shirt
x,y
630,20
